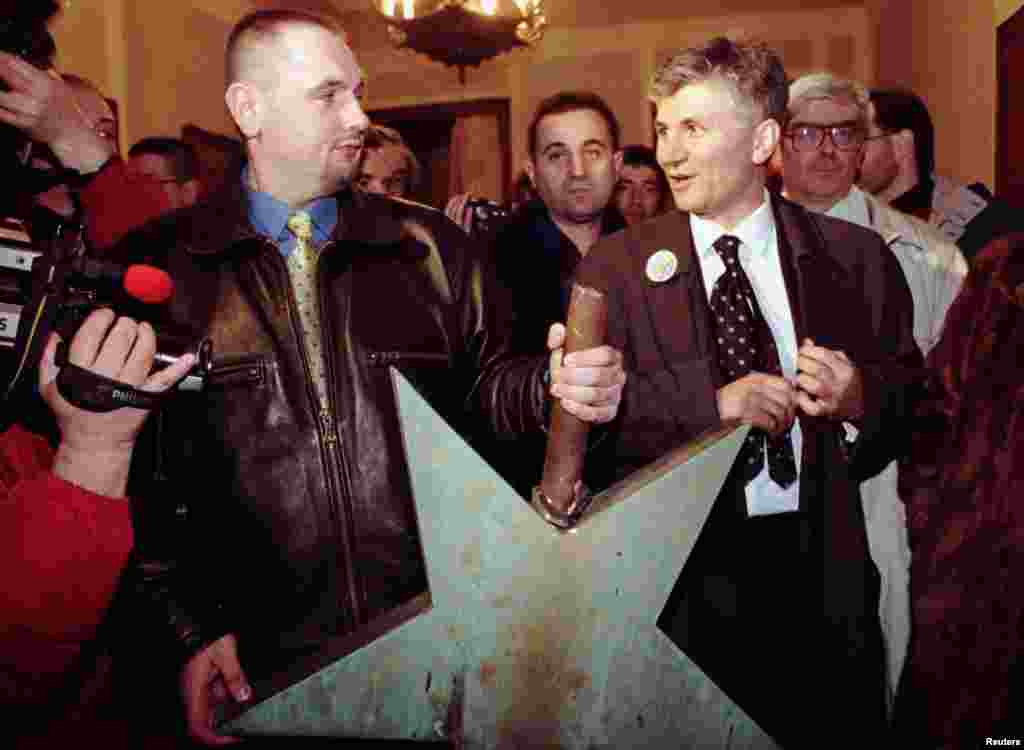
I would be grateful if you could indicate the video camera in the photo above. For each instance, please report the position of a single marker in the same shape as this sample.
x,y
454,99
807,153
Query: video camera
x,y
484,215
56,290
46,282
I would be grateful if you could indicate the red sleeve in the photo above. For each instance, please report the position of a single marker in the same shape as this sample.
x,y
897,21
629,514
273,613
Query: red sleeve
x,y
113,206
61,551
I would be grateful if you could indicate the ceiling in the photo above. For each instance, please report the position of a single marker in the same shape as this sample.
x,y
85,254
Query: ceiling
x,y
602,13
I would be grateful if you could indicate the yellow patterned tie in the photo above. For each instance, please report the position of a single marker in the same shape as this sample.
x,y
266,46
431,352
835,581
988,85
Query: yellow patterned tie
x,y
302,270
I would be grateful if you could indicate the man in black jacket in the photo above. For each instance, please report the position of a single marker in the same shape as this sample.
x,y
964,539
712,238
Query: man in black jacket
x,y
899,165
573,164
305,527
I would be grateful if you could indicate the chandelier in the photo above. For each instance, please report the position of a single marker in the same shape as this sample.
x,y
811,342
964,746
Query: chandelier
x,y
462,33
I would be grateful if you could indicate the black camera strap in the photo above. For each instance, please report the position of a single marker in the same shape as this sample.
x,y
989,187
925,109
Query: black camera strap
x,y
92,392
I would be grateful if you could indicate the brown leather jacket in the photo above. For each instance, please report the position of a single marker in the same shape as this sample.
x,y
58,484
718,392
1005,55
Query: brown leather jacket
x,y
291,525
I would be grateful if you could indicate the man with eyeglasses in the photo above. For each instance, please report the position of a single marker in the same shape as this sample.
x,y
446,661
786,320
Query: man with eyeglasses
x,y
899,166
821,151
170,163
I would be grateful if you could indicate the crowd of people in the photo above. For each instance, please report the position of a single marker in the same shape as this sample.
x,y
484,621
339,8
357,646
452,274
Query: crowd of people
x,y
784,257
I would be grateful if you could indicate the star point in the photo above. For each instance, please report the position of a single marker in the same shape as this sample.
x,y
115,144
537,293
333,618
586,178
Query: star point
x,y
531,636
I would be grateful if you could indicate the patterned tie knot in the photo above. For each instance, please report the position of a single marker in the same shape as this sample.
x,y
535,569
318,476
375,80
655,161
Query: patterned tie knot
x,y
727,246
301,225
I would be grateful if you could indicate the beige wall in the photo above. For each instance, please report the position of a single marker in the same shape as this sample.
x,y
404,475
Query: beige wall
x,y
176,75
1006,8
616,62
89,44
161,61
83,41
945,50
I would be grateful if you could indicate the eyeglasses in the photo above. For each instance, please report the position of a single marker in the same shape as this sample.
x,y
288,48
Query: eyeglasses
x,y
883,134
811,137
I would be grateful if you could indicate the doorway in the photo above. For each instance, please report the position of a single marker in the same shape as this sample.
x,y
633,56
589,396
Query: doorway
x,y
428,131
1009,143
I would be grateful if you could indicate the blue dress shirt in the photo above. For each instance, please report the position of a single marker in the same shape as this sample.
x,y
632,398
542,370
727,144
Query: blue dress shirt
x,y
269,217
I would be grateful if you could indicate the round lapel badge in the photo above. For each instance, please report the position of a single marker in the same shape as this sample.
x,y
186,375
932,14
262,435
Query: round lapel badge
x,y
662,266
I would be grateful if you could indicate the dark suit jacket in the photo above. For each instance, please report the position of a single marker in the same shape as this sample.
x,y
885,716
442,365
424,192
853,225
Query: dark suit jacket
x,y
846,292
534,262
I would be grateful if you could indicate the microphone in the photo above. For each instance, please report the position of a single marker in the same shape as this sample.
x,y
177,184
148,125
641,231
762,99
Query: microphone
x,y
54,303
147,284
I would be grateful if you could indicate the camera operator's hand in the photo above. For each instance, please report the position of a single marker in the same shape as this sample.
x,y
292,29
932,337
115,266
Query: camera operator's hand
x,y
96,448
45,108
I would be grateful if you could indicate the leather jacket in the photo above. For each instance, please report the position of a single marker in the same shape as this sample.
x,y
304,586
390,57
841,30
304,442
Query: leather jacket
x,y
535,261
262,514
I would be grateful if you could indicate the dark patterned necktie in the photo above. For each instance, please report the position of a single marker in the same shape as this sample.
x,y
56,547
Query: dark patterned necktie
x,y
745,344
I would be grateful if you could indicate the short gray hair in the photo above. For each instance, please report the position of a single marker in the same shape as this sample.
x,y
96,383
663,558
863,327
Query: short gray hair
x,y
824,85
752,68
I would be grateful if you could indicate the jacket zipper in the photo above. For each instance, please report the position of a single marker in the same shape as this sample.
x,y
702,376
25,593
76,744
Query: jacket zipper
x,y
327,424
388,358
337,469
328,436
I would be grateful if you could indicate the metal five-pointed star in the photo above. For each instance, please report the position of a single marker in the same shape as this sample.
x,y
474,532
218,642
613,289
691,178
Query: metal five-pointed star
x,y
531,637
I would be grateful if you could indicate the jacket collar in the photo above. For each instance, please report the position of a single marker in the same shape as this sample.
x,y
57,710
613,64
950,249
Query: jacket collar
x,y
221,224
652,235
879,218
810,272
534,221
792,225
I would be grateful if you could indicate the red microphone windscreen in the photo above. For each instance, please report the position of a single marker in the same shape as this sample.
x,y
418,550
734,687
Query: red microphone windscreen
x,y
147,283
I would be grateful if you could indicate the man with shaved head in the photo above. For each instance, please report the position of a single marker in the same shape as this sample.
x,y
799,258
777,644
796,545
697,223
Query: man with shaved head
x,y
286,477
170,163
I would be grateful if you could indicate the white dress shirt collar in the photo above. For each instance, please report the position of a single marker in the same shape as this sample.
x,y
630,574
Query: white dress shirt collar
x,y
756,232
760,258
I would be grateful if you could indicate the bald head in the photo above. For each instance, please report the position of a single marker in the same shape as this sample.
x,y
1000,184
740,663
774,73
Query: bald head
x,y
254,47
294,90
93,106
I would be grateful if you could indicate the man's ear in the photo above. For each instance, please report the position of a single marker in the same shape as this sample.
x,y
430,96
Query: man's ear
x,y
246,105
529,168
766,140
617,163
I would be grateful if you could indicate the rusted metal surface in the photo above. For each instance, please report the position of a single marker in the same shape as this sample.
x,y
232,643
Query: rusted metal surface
x,y
534,638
